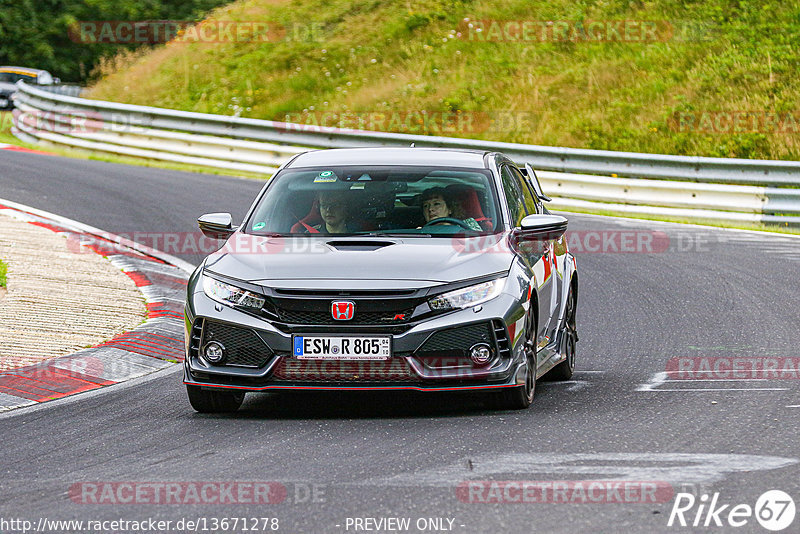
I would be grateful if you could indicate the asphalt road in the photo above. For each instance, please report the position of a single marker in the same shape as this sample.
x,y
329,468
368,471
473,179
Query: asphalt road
x,y
711,297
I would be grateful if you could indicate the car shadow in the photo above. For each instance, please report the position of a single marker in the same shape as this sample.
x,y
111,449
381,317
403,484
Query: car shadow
x,y
371,405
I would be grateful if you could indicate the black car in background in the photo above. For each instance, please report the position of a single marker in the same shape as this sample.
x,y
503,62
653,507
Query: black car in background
x,y
9,76
385,268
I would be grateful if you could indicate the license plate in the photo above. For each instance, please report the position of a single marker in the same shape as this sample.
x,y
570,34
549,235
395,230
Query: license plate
x,y
342,347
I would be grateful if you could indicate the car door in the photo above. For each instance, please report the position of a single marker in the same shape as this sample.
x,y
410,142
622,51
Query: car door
x,y
537,255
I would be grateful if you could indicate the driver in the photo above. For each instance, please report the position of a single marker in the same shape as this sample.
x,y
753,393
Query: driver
x,y
437,204
333,209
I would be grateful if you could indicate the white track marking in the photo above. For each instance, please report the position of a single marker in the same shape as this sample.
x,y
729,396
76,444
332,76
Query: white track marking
x,y
661,378
657,380
717,389
675,468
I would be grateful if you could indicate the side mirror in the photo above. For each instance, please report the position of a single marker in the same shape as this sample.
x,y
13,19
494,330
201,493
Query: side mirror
x,y
216,225
542,227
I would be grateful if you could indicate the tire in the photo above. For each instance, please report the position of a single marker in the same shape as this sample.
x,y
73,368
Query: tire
x,y
206,401
569,338
517,398
520,397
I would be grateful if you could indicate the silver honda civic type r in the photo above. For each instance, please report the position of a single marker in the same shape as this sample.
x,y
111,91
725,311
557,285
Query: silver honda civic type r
x,y
385,268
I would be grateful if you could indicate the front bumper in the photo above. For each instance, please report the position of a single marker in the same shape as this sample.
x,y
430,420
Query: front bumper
x,y
427,356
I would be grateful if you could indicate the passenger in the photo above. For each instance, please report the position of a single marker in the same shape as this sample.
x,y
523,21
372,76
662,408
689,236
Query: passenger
x,y
437,204
335,215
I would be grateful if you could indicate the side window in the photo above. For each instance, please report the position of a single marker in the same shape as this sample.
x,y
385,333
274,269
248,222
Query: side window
x,y
527,196
514,195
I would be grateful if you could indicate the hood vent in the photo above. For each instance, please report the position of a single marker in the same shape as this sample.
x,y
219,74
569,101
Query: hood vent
x,y
364,245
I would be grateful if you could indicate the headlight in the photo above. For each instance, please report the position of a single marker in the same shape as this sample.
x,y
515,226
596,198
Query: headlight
x,y
231,295
468,296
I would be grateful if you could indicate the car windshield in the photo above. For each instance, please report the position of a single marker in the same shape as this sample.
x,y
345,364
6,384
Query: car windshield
x,y
14,77
425,201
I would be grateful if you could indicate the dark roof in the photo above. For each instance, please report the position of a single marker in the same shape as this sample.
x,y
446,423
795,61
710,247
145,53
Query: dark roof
x,y
449,157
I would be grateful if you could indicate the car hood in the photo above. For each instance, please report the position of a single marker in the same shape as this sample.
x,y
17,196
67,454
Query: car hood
x,y
263,260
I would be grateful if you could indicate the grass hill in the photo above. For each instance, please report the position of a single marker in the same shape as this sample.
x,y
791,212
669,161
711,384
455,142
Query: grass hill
x,y
703,77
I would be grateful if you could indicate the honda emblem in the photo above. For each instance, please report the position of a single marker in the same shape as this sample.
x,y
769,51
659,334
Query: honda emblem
x,y
343,310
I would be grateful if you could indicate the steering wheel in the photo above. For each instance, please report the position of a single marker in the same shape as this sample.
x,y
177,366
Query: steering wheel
x,y
448,220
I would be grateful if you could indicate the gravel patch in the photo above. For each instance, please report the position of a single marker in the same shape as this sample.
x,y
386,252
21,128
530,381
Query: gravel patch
x,y
59,301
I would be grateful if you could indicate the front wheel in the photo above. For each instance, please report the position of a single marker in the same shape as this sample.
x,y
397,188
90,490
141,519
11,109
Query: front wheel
x,y
569,338
207,401
519,397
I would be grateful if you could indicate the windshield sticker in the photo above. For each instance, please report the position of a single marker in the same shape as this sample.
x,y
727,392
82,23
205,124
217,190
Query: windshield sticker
x,y
357,186
325,177
259,225
364,178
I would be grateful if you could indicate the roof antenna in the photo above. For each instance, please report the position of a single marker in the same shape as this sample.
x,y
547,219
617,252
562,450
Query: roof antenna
x,y
412,145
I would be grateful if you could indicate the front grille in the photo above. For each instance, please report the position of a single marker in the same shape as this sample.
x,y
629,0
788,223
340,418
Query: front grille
x,y
391,370
243,347
450,348
325,317
458,338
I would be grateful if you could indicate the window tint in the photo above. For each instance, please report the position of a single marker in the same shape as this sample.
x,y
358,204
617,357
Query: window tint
x,y
529,200
14,77
378,199
514,195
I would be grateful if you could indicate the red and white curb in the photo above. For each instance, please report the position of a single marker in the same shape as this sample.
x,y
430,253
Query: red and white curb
x,y
15,148
155,344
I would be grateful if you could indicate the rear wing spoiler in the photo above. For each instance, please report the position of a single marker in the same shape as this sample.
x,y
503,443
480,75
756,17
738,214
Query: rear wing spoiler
x,y
534,181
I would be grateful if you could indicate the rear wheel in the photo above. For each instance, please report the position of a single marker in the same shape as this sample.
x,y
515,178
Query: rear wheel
x,y
207,401
569,339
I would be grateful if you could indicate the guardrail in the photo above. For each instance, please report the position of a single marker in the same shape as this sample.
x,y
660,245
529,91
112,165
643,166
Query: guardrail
x,y
62,89
693,188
